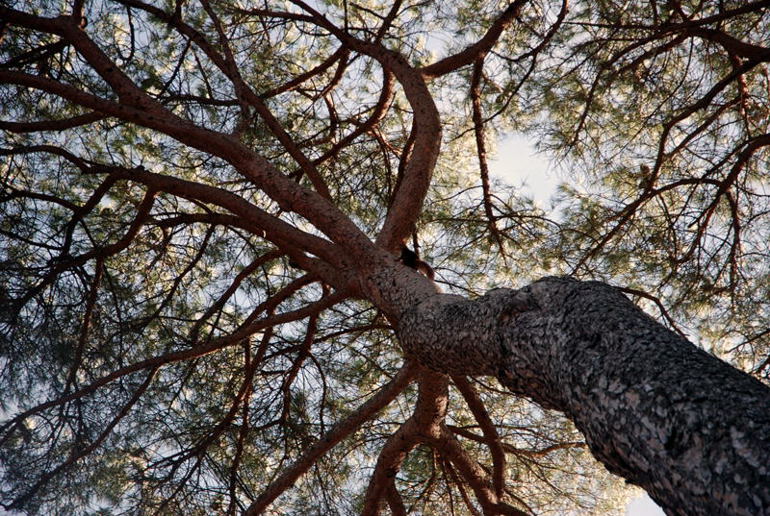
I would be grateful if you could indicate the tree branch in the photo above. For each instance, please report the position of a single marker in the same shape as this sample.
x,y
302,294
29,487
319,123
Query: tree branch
x,y
478,49
337,433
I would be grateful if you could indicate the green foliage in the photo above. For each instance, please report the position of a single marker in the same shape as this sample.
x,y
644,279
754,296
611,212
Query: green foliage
x,y
665,144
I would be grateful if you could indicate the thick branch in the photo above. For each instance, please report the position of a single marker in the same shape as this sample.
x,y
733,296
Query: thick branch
x,y
474,475
137,107
407,202
688,428
423,425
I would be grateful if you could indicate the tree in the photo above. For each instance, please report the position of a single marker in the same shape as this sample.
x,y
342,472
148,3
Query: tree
x,y
204,205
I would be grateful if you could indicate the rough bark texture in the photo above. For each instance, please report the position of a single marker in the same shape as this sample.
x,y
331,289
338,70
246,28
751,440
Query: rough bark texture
x,y
691,430
688,428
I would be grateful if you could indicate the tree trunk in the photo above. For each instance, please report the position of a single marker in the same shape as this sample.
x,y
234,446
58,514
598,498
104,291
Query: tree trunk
x,y
690,429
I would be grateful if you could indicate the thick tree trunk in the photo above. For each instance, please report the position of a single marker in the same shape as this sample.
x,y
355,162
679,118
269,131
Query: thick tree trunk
x,y
687,427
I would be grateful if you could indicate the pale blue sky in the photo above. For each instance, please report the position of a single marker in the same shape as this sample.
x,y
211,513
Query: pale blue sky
x,y
519,164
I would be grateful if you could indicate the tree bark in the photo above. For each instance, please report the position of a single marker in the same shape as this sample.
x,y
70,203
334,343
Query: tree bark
x,y
690,429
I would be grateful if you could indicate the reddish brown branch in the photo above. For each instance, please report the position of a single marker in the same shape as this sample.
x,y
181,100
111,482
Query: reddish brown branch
x,y
473,474
408,200
339,55
661,307
135,106
227,64
51,125
203,349
491,437
338,432
230,291
395,502
422,425
99,253
478,49
457,482
379,111
481,152
732,44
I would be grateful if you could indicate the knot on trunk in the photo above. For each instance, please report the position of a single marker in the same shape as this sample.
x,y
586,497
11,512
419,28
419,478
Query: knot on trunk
x,y
457,336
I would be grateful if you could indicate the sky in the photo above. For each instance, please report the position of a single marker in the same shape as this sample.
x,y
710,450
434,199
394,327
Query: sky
x,y
518,163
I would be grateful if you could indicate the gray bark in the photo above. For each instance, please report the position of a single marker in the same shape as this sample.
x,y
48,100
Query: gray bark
x,y
690,429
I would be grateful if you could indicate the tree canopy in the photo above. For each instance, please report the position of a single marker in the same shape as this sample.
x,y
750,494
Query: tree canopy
x,y
201,202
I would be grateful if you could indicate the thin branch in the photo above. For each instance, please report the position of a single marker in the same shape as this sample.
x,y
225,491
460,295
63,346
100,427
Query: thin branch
x,y
80,452
492,438
478,49
481,153
337,433
51,125
203,349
